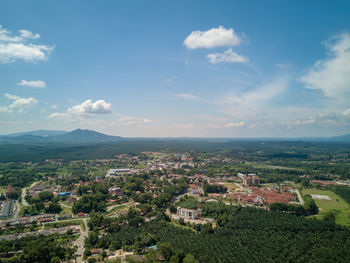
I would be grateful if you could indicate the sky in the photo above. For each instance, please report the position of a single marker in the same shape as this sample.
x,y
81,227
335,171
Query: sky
x,y
176,68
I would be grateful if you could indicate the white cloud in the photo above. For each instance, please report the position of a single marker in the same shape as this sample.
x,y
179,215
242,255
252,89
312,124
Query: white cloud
x,y
32,83
126,121
331,76
347,112
28,34
228,56
187,96
18,104
86,109
258,96
4,109
89,107
183,126
215,37
234,124
14,48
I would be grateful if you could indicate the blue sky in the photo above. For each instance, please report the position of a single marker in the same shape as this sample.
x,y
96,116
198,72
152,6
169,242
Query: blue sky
x,y
176,68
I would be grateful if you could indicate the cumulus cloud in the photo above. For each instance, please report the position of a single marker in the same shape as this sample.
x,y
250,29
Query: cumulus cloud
x,y
215,37
18,104
89,107
331,76
234,124
228,56
187,96
17,47
86,109
28,34
32,83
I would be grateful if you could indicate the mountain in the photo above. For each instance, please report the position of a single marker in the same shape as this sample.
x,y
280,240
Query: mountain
x,y
341,138
43,136
42,133
87,136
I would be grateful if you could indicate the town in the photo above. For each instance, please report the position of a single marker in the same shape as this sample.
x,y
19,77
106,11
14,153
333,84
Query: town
x,y
87,198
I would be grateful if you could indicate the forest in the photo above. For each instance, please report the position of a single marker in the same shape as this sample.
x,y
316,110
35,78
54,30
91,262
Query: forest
x,y
41,249
241,235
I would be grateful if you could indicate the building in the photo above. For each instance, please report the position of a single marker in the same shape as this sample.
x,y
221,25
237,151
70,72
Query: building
x,y
7,209
188,213
115,191
64,194
115,172
250,179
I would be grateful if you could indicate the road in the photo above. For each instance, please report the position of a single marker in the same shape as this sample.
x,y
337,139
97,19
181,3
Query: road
x,y
64,205
301,200
18,208
80,242
24,192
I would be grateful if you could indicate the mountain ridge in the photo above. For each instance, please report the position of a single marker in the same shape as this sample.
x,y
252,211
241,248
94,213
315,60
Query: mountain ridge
x,y
53,136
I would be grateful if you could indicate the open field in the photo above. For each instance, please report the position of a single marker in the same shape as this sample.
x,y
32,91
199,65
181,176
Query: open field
x,y
267,166
336,204
231,185
117,208
66,210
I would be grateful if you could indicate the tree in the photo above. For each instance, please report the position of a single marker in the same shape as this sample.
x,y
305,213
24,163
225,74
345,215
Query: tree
x,y
189,258
55,260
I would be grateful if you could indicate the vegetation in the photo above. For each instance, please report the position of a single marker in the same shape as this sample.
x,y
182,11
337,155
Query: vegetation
x,y
256,235
37,249
336,205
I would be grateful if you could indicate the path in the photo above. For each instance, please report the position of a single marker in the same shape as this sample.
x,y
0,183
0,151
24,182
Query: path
x,y
301,200
24,192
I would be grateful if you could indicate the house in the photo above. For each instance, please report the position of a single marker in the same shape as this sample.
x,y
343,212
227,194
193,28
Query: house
x,y
95,251
81,214
45,219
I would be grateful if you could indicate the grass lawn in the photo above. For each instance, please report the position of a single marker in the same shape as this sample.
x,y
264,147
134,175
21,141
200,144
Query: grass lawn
x,y
2,189
231,185
176,224
66,210
117,209
337,204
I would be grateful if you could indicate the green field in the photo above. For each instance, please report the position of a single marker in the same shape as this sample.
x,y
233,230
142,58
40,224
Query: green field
x,y
117,209
337,204
229,185
66,210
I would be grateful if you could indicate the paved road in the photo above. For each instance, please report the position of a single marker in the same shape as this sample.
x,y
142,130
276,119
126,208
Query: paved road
x,y
18,208
301,200
80,242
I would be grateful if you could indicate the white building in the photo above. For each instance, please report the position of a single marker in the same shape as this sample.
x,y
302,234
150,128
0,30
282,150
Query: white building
x,y
114,172
188,213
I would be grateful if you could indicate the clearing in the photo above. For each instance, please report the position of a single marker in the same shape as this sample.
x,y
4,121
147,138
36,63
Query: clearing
x,y
336,204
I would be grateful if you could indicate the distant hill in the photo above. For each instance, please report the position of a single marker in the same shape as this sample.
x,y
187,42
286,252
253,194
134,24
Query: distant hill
x,y
47,136
80,136
42,133
341,138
